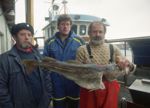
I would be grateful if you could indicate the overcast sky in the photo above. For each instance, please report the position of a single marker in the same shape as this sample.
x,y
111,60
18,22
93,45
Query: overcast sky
x,y
127,18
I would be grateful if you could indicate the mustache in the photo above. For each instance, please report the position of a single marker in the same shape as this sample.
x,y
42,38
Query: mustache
x,y
97,38
27,44
33,45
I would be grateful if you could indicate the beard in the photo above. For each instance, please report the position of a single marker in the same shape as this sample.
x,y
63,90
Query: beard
x,y
25,45
97,40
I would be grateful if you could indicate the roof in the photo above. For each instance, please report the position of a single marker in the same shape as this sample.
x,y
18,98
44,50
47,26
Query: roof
x,y
82,17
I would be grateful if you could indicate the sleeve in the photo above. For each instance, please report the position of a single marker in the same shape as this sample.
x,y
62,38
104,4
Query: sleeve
x,y
5,100
120,73
132,66
48,83
47,74
46,52
82,41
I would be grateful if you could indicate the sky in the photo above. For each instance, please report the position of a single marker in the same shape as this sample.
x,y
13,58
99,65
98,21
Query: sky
x,y
127,18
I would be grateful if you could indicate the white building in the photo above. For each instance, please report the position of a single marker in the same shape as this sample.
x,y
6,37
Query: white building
x,y
7,19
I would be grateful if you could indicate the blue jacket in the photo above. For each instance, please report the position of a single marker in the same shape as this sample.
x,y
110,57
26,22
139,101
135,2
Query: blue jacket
x,y
14,90
63,51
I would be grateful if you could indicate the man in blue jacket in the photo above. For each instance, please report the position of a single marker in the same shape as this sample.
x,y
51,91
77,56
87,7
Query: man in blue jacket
x,y
18,89
63,46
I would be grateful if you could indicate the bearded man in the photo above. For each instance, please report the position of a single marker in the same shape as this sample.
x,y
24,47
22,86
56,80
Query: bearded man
x,y
99,52
18,89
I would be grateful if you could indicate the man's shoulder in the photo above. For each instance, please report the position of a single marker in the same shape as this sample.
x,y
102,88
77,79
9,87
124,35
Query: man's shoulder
x,y
82,48
113,46
12,53
79,39
4,56
50,40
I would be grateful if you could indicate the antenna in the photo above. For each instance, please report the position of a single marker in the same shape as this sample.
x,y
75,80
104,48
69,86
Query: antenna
x,y
64,2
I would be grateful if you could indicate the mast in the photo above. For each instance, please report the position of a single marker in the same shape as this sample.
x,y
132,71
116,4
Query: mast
x,y
64,2
29,11
30,15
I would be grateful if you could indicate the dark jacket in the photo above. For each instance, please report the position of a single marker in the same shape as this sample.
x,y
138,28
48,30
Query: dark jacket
x,y
14,90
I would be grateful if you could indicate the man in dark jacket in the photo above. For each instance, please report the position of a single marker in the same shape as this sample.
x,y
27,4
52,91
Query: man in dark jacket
x,y
18,89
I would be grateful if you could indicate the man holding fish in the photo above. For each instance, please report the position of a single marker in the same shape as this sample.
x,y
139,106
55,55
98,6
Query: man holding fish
x,y
99,52
62,46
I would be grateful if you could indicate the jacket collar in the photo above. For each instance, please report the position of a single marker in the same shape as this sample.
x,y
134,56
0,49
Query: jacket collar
x,y
71,35
13,51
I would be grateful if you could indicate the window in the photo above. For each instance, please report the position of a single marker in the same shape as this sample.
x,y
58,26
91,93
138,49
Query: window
x,y
74,28
82,29
52,31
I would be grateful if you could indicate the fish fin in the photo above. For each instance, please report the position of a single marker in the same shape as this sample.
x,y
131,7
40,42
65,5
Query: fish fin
x,y
73,62
48,59
29,65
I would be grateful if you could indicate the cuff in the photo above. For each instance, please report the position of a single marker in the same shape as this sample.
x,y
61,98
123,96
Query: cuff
x,y
132,68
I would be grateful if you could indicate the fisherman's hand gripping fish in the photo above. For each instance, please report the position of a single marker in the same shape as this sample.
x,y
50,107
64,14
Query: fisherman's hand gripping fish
x,y
88,76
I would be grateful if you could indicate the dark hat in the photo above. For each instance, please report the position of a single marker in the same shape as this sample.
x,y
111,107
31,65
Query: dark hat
x,y
17,27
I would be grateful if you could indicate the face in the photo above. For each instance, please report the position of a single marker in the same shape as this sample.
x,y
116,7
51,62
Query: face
x,y
97,34
64,28
24,39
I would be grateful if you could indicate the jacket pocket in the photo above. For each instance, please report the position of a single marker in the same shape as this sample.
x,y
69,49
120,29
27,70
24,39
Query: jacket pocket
x,y
16,84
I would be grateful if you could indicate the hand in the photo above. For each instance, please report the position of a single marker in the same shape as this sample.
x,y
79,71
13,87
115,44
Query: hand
x,y
123,63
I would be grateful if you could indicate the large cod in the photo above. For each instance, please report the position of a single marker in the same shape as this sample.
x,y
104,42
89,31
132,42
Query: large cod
x,y
88,76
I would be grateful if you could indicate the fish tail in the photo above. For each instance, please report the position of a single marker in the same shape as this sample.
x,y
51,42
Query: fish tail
x,y
29,65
